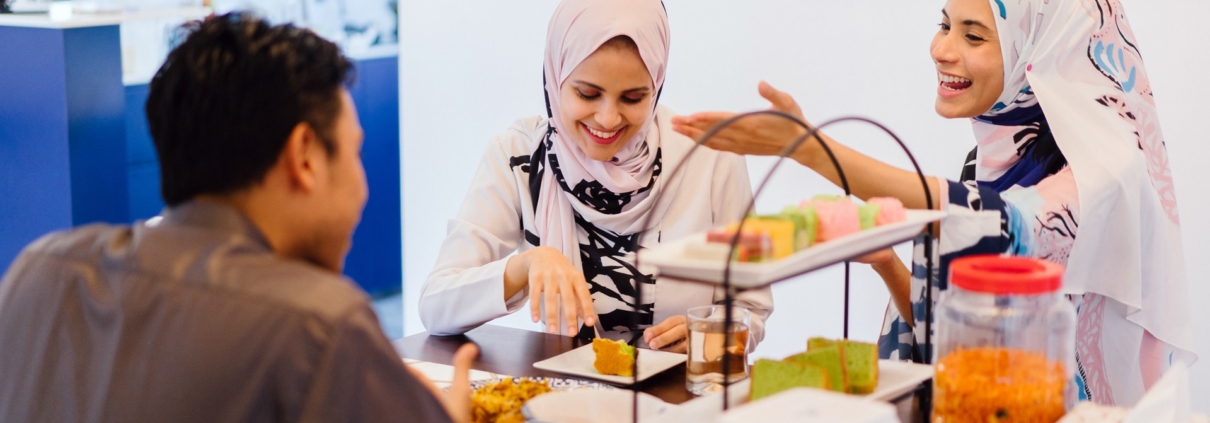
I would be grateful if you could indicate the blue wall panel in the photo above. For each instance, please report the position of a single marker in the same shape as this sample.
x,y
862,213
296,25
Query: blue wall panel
x,y
144,182
375,260
35,175
139,148
143,175
75,149
96,110
377,254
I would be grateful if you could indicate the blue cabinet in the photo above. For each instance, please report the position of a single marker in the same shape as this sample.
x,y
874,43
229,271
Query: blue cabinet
x,y
75,148
62,132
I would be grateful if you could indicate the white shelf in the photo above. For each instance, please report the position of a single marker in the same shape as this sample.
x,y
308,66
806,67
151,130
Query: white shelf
x,y
374,52
84,20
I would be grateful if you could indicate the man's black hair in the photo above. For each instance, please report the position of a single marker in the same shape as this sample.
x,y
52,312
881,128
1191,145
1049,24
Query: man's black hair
x,y
225,101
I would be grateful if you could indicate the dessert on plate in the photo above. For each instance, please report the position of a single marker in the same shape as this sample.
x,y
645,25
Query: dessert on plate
x,y
613,357
836,365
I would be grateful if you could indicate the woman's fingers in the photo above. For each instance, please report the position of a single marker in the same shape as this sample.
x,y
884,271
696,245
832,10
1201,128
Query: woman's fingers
x,y
653,331
550,299
679,347
535,298
670,323
708,119
717,142
557,286
652,334
721,140
568,302
779,99
671,336
698,124
687,130
585,301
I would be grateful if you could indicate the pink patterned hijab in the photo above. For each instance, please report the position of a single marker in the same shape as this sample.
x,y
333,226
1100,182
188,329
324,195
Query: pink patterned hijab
x,y
1079,62
577,29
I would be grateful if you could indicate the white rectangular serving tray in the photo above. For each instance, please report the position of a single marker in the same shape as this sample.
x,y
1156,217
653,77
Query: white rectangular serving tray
x,y
670,260
896,379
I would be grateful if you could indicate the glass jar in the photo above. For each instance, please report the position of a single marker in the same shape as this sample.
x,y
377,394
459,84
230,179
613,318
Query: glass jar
x,y
1005,343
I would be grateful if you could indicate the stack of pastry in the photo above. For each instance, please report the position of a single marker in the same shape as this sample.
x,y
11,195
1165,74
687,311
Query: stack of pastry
x,y
841,366
823,218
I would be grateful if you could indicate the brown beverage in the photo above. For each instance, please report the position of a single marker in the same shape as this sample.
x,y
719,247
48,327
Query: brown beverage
x,y
706,351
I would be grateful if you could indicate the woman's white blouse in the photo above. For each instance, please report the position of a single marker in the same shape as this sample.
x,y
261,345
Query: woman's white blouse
x,y
466,286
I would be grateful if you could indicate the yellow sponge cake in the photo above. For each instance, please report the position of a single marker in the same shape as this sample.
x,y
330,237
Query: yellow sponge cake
x,y
613,357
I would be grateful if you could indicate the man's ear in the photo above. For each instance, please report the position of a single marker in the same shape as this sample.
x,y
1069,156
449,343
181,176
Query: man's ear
x,y
300,157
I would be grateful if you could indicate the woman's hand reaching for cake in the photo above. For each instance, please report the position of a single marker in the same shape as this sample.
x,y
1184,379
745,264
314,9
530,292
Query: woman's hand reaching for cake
x,y
554,284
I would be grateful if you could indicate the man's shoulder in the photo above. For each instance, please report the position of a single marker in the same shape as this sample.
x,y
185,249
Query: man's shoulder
x,y
213,266
80,241
296,286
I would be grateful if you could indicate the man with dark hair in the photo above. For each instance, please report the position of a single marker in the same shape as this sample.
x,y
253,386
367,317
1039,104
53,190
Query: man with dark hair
x,y
231,307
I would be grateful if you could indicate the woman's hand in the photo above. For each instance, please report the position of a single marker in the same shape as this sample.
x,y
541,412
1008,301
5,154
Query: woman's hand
x,y
763,135
457,400
553,283
896,276
670,335
877,258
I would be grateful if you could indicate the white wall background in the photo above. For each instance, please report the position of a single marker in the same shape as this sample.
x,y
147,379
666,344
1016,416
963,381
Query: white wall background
x,y
468,69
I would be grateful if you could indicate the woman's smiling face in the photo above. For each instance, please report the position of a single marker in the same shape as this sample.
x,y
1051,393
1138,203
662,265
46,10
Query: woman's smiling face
x,y
966,50
606,100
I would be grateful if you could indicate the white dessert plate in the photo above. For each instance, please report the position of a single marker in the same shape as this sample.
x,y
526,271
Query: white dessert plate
x,y
671,261
442,375
578,362
804,405
897,378
590,407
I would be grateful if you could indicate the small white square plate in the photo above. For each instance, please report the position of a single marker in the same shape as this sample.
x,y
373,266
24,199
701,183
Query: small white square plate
x,y
578,362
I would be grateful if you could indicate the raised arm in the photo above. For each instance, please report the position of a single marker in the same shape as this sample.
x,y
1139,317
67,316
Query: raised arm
x,y
768,135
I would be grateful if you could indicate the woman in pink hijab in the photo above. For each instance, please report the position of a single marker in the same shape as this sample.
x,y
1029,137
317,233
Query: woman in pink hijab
x,y
574,192
1069,165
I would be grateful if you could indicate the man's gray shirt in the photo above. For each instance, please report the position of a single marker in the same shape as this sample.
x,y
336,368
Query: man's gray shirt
x,y
193,319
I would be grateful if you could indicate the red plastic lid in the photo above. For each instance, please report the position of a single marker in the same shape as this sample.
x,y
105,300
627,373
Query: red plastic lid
x,y
1006,275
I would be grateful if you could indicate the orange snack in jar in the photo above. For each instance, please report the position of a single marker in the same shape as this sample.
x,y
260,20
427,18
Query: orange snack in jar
x,y
1000,385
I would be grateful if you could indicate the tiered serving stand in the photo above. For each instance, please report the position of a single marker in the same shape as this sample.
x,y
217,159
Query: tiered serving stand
x,y
724,276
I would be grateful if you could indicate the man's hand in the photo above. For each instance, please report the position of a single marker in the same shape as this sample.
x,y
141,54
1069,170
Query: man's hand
x,y
457,400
